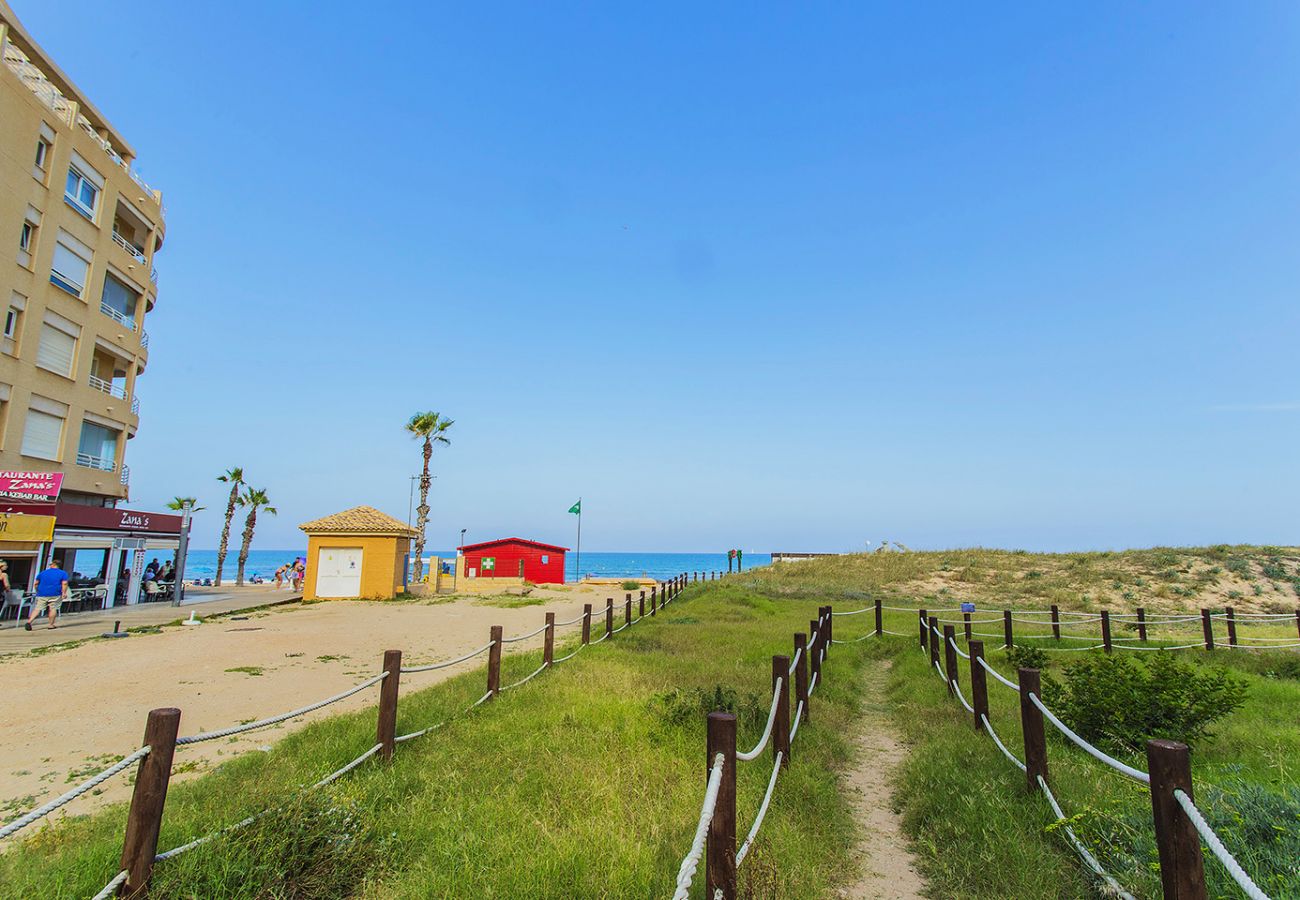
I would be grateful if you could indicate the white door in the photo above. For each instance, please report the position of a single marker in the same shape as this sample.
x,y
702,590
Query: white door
x,y
338,572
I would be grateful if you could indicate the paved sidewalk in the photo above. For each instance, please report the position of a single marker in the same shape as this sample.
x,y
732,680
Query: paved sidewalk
x,y
79,626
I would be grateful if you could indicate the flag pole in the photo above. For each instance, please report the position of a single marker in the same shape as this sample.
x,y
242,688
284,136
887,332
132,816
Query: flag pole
x,y
577,566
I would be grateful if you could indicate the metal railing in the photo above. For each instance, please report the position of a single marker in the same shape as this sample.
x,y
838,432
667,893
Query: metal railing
x,y
144,339
136,253
96,462
153,276
117,316
126,474
135,407
37,83
108,387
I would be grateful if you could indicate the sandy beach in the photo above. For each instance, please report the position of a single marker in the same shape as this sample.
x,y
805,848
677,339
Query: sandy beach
x,y
230,670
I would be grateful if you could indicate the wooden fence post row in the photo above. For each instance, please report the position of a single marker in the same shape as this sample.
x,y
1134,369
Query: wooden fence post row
x,y
880,620
925,630
934,641
978,684
494,657
801,673
1105,630
1207,629
586,623
781,725
950,657
143,822
1031,723
1182,872
386,728
720,845
1232,626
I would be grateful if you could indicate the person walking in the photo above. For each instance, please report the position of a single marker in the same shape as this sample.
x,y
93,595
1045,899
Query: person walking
x,y
51,588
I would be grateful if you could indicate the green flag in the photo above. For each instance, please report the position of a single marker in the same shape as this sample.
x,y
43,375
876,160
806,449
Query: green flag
x,y
576,508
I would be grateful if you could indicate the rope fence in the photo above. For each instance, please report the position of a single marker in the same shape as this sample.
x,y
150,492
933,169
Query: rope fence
x,y
1180,827
154,758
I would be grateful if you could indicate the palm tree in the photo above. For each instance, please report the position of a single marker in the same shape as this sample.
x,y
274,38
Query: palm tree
x,y
178,504
235,478
254,499
433,429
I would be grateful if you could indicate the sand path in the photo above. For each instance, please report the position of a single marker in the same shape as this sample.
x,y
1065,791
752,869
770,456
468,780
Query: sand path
x,y
70,713
886,867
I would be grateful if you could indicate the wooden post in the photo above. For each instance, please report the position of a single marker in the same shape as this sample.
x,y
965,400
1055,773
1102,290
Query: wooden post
x,y
1105,630
1207,629
1008,637
696,577
815,638
386,729
627,611
824,616
801,674
979,686
1056,621
1031,723
1297,620
1142,624
925,630
880,620
494,661
965,617
1182,872
654,599
609,616
1232,626
640,613
950,657
720,845
586,623
934,640
781,724
548,640
140,845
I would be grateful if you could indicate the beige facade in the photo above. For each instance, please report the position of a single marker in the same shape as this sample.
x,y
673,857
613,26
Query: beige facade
x,y
78,234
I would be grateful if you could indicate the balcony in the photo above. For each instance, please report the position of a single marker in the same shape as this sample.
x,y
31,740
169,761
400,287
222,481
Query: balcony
x,y
135,407
144,339
122,319
97,462
137,253
126,474
108,387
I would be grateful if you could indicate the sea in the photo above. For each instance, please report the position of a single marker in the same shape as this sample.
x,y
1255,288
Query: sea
x,y
203,563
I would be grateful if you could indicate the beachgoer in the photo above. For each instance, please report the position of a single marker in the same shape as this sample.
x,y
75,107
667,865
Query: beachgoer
x,y
279,578
299,570
51,588
4,578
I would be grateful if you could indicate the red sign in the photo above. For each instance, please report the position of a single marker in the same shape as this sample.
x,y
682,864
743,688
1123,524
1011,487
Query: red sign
x,y
34,487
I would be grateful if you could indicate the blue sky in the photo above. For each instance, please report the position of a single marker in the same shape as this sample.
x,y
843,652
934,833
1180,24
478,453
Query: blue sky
x,y
773,276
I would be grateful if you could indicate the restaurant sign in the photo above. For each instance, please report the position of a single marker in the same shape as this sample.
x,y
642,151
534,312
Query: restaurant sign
x,y
26,528
34,487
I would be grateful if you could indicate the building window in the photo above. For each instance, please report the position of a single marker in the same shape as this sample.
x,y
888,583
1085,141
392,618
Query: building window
x,y
11,322
81,192
28,238
42,435
70,268
118,301
42,153
57,350
98,447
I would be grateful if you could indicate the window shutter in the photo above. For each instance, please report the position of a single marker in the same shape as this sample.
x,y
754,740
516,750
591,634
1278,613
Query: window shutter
x,y
41,435
71,267
56,350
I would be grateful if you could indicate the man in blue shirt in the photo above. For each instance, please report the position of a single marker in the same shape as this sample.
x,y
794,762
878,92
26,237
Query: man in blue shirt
x,y
51,588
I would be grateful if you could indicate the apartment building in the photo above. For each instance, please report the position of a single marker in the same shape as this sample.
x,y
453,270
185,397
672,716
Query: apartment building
x,y
79,230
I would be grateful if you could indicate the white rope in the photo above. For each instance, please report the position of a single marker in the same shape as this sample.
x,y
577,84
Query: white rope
x,y
855,612
795,662
958,649
570,656
339,773
527,678
1138,647
89,784
523,637
621,627
762,811
972,621
480,701
998,675
798,714
939,669
599,639
1001,746
1212,841
262,723
415,734
1258,647
686,874
571,621
451,662
110,889
767,730
1135,774
1073,649
956,688
869,634
1255,637
895,633
812,685
1115,889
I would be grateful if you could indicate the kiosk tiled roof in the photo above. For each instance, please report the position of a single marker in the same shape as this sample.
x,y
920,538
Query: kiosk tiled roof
x,y
358,520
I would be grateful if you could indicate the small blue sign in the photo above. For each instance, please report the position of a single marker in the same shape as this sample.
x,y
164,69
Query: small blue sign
x,y
968,607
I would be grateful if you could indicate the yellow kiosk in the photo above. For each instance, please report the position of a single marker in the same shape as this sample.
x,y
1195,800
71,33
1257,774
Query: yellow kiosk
x,y
359,553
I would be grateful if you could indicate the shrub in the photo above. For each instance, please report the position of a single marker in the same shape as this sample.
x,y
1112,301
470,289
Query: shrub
x,y
1022,657
631,585
1119,702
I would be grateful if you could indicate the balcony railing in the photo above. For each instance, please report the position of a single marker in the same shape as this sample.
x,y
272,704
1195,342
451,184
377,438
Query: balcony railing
x,y
126,474
116,316
144,339
135,406
129,247
153,276
108,387
96,462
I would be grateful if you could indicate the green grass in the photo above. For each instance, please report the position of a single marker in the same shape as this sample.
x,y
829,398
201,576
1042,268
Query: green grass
x,y
586,782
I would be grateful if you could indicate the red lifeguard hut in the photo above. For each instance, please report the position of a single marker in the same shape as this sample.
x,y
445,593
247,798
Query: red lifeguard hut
x,y
515,558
